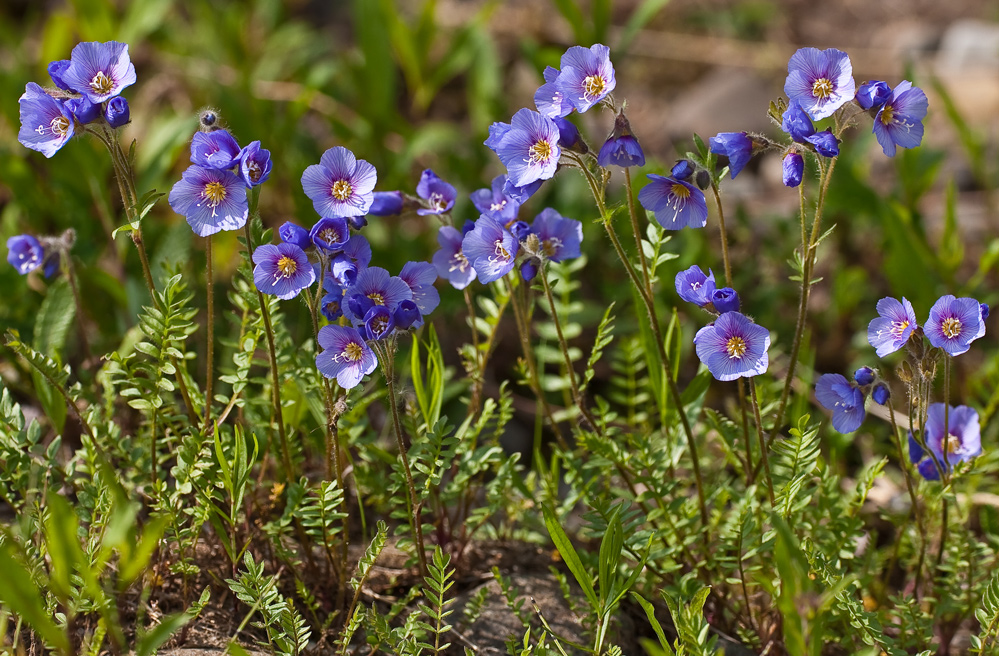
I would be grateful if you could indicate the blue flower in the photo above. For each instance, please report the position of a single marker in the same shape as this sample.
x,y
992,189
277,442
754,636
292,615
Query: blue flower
x,y
497,131
46,124
737,146
494,203
794,169
215,150
378,322
845,401
421,276
954,323
450,261
330,304
682,170
56,70
560,237
881,394
491,249
895,323
407,316
529,149
519,229
255,164
695,287
386,203
725,300
282,270
340,185
899,122
873,94
549,99
83,110
291,233
568,136
676,203
374,286
521,194
345,355
439,195
821,80
355,257
211,199
733,347
25,253
621,148
100,71
330,234
796,123
116,113
924,464
959,441
587,75
864,376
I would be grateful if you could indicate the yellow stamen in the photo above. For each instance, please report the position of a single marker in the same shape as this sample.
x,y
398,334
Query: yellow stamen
x,y
353,351
680,191
898,327
377,298
951,327
822,88
594,85
540,152
501,253
953,444
342,190
102,84
287,266
214,192
552,246
735,347
887,115
60,126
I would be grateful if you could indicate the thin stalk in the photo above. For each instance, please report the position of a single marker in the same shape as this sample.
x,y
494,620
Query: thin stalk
x,y
209,365
763,446
633,213
724,236
476,401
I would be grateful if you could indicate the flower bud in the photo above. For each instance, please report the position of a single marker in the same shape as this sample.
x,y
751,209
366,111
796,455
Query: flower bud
x,y
703,179
725,300
569,137
406,314
682,170
83,110
873,94
529,269
291,233
386,203
520,230
117,113
621,148
881,394
56,70
794,169
864,376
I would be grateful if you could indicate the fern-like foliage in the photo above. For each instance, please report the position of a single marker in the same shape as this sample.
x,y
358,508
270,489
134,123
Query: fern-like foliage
x,y
793,463
287,632
435,588
987,615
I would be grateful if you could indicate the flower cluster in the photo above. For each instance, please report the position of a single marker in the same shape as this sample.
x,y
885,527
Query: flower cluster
x,y
845,399
952,325
27,253
88,90
677,204
733,346
211,193
942,447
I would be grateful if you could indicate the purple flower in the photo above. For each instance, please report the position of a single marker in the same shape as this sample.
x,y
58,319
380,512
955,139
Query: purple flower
x,y
439,194
374,286
676,203
733,347
57,69
864,376
330,234
529,149
621,148
25,253
917,456
737,146
881,394
345,357
568,136
46,124
491,249
873,94
255,164
407,316
985,311
291,233
519,229
954,323
549,99
330,305
340,185
497,131
212,200
796,123
794,169
695,287
386,203
725,300
282,270
421,276
821,80
845,401
899,122
890,331
587,75
214,150
682,170
116,113
825,143
450,261
529,268
83,110
356,256
378,322
521,194
494,203
960,442
99,71
560,237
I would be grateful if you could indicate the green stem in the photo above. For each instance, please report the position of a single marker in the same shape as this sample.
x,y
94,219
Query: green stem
x,y
763,446
633,213
479,376
209,365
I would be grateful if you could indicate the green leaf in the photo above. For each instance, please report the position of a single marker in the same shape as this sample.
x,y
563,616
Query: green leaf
x,y
569,555
22,595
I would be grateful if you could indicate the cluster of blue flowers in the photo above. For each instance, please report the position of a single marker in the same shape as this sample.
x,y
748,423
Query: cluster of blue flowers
x,y
88,88
733,346
952,325
27,253
212,191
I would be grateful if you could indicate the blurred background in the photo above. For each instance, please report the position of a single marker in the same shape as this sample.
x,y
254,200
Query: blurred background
x,y
415,84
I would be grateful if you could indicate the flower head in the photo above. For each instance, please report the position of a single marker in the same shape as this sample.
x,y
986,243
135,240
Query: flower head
x,y
725,300
954,323
407,316
494,203
25,253
491,249
918,456
374,286
330,234
450,260
796,123
292,233
254,164
569,137
821,80
959,442
330,304
421,276
899,122
83,110
355,257
881,394
737,146
345,356
529,149
587,76
521,194
873,94
341,184
864,376
378,322
845,401
282,270
891,330
733,347
549,98
386,203
214,150
826,144
46,123
676,203
99,71
439,195
621,148
211,199
117,113
695,287
793,169
559,237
